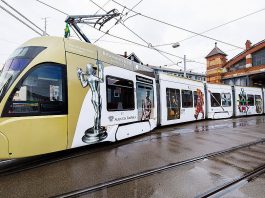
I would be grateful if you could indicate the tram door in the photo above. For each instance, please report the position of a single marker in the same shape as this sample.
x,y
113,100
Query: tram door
x,y
35,114
145,101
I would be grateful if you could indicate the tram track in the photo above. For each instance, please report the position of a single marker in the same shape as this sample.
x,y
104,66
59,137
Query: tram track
x,y
170,166
225,188
24,164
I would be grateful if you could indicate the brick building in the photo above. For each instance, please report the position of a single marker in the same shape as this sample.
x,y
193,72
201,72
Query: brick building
x,y
245,69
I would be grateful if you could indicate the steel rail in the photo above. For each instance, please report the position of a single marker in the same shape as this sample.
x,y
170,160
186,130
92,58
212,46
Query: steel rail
x,y
229,186
150,172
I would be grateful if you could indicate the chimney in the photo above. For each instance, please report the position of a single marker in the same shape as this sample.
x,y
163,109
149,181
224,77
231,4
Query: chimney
x,y
125,54
248,44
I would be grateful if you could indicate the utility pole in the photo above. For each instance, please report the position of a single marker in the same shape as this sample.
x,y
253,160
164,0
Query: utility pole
x,y
185,69
45,26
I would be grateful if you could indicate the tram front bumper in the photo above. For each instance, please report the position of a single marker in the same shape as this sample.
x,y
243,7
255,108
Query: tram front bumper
x,y
3,147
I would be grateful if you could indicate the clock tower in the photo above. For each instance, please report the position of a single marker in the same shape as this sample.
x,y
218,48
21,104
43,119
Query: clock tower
x,y
216,59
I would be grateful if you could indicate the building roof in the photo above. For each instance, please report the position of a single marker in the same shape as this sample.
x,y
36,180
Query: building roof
x,y
258,46
134,58
170,70
215,51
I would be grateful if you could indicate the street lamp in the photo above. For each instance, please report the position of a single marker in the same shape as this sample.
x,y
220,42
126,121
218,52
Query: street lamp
x,y
179,63
175,45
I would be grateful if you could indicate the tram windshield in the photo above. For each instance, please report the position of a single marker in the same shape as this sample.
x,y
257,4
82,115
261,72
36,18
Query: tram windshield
x,y
15,64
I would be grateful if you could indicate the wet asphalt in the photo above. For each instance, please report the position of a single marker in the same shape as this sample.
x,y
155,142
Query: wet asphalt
x,y
162,146
254,189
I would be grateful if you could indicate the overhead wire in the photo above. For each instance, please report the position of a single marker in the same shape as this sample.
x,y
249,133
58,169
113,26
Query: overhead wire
x,y
136,5
130,11
148,44
129,17
20,14
119,21
216,27
117,37
175,26
10,13
115,42
52,7
61,13
142,45
95,14
101,8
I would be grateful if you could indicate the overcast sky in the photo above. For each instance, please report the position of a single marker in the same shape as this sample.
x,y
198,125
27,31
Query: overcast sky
x,y
194,15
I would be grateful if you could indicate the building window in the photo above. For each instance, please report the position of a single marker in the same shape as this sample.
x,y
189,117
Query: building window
x,y
229,81
120,94
187,98
239,65
250,100
258,58
226,99
42,92
215,99
173,103
242,81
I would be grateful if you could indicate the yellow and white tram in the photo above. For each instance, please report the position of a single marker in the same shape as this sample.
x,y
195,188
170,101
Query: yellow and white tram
x,y
59,93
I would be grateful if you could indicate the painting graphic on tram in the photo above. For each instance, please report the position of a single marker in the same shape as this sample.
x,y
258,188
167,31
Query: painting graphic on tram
x,y
226,99
145,100
259,104
146,107
199,104
89,78
173,104
243,106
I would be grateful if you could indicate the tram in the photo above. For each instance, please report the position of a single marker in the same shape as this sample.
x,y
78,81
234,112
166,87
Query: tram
x,y
59,93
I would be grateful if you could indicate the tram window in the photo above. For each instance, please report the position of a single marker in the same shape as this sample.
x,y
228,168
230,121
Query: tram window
x,y
226,99
173,103
187,98
42,92
120,94
258,99
215,99
258,103
250,100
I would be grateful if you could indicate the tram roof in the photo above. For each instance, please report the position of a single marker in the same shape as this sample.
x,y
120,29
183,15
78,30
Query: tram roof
x,y
91,51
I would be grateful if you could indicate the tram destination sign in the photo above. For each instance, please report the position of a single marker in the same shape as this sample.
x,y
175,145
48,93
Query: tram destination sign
x,y
144,80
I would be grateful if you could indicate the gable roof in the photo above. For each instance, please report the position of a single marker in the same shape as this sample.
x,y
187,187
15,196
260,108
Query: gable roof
x,y
215,51
134,58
